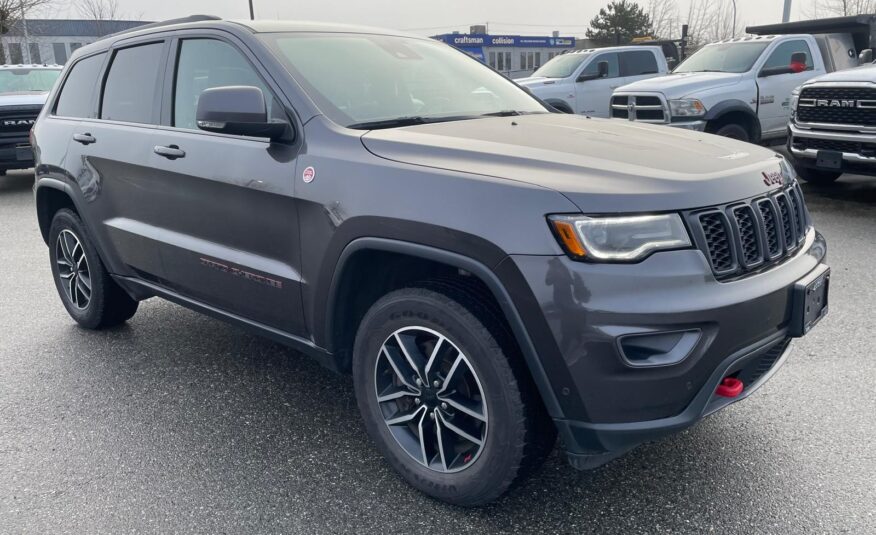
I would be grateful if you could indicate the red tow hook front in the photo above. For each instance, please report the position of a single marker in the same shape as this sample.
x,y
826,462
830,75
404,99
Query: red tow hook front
x,y
730,387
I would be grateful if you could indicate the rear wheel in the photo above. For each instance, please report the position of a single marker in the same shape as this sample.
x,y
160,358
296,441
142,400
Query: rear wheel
x,y
87,291
817,176
445,398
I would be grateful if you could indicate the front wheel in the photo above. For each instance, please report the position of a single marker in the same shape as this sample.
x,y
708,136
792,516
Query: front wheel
x,y
817,176
89,294
444,398
733,131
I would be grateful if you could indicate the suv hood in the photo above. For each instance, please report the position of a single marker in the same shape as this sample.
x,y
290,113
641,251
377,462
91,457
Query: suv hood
x,y
682,84
19,98
601,165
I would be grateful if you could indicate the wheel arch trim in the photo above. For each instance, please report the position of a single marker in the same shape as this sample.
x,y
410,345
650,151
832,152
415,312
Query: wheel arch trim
x,y
476,268
42,185
722,108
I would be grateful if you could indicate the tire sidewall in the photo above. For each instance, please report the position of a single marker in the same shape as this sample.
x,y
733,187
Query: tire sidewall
x,y
505,429
733,131
89,316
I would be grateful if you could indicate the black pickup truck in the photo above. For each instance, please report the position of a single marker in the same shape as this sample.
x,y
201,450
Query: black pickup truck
x,y
23,91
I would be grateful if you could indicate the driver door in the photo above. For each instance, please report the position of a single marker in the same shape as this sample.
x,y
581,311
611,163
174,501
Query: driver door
x,y
774,90
592,97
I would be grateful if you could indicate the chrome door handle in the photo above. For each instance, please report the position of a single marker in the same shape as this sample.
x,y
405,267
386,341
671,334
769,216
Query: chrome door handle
x,y
171,152
85,139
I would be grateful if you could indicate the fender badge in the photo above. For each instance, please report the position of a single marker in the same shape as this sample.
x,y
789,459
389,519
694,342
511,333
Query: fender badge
x,y
308,175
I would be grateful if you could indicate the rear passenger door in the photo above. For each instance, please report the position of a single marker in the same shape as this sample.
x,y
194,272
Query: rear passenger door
x,y
638,65
109,152
229,227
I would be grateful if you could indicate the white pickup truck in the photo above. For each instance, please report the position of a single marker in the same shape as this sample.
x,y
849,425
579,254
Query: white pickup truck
x,y
582,81
739,88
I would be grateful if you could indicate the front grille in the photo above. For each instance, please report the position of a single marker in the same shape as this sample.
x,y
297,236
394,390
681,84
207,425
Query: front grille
x,y
645,108
16,121
740,238
834,112
853,147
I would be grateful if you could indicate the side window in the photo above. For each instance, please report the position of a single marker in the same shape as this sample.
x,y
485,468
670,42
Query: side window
x,y
613,68
77,95
637,63
783,54
129,93
208,63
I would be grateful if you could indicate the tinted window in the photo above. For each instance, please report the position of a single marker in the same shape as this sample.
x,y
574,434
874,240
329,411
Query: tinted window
x,y
76,99
129,93
781,56
611,58
207,63
638,63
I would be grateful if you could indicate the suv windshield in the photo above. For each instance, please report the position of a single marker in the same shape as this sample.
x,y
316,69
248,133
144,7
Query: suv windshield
x,y
726,57
561,66
14,80
377,81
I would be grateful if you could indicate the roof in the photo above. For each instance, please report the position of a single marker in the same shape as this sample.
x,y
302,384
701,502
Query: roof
x,y
36,66
269,26
855,23
72,27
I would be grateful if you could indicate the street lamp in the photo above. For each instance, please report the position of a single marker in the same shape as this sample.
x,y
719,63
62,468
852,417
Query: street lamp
x,y
252,13
734,16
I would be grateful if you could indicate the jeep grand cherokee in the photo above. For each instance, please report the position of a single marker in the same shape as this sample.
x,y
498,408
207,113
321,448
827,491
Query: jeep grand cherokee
x,y
492,274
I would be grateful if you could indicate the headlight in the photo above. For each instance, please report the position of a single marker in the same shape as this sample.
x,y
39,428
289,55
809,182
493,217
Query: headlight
x,y
795,99
619,239
687,107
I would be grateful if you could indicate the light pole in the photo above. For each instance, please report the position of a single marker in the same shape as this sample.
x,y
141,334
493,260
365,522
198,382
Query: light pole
x,y
251,12
734,18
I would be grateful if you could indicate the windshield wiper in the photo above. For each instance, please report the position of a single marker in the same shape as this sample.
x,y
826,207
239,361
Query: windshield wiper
x,y
503,113
389,123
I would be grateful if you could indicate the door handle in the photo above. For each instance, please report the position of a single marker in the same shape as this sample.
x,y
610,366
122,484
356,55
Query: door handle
x,y
171,152
85,139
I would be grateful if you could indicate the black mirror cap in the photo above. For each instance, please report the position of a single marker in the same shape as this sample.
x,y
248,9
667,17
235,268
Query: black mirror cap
x,y
602,68
237,110
866,56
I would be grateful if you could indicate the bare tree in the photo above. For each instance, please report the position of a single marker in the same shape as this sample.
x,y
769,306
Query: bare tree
x,y
838,8
99,9
664,18
11,14
712,20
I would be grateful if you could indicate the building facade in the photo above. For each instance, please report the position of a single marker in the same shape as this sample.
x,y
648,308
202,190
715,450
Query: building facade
x,y
53,40
514,56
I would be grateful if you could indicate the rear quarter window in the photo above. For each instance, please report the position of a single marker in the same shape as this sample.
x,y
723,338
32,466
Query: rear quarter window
x,y
130,91
77,94
638,62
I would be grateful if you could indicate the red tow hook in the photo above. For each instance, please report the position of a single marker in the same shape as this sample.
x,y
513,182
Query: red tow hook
x,y
730,387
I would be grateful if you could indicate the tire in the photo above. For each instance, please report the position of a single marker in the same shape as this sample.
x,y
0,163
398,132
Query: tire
x,y
564,108
515,431
817,176
733,131
75,266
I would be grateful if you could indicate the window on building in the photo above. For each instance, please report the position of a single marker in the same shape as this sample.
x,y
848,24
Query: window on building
x,y
74,47
522,65
493,60
60,52
537,60
15,57
500,63
34,50
208,63
77,95
638,63
129,93
508,60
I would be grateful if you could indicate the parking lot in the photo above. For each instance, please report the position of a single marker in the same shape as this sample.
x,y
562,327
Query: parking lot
x,y
178,422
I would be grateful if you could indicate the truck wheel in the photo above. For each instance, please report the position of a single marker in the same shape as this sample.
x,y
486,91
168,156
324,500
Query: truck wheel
x,y
444,396
733,131
817,176
89,294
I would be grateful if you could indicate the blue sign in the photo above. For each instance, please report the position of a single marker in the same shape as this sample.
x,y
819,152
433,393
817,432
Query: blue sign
x,y
478,39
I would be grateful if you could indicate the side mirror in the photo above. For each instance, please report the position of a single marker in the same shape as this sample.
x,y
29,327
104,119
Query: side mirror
x,y
798,62
602,68
866,56
237,110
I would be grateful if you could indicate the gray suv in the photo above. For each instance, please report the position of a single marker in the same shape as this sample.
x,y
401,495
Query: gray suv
x,y
491,274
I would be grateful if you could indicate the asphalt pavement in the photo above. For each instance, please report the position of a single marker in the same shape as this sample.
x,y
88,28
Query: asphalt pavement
x,y
177,422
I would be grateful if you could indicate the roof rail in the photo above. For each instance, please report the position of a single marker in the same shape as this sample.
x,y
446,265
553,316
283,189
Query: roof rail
x,y
169,22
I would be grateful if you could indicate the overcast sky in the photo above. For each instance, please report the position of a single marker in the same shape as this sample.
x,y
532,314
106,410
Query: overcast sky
x,y
534,17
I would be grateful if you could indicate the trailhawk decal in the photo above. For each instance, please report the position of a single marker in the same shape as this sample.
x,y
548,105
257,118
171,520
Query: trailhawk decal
x,y
237,272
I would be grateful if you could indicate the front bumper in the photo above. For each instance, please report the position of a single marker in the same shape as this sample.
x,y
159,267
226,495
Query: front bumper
x,y
743,326
16,153
857,146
